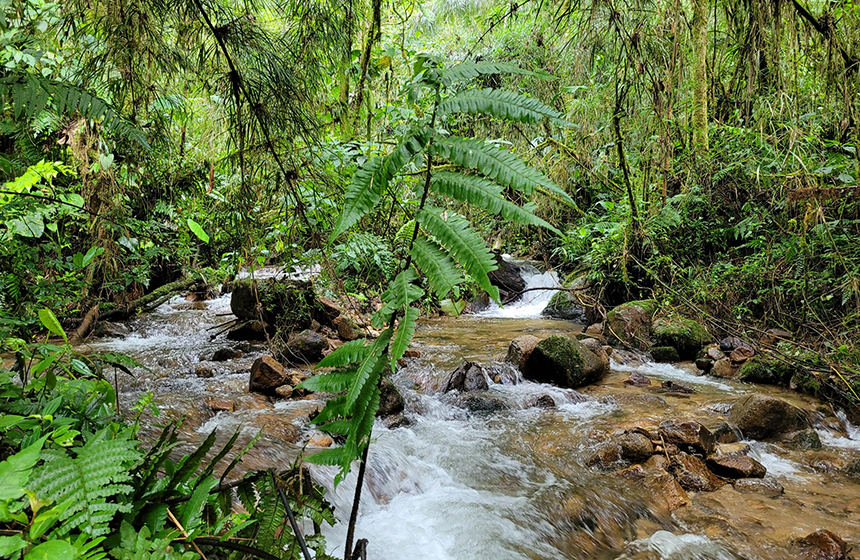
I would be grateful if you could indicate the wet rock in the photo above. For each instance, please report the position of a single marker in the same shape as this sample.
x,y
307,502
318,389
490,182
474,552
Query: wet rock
x,y
637,380
655,401
220,405
692,474
110,330
565,305
634,472
224,354
688,436
501,372
520,349
595,329
741,355
664,354
346,328
630,323
764,486
508,279
284,391
276,426
820,545
267,374
666,490
396,421
804,440
724,368
390,400
824,461
685,335
287,305
631,358
480,402
705,364
736,466
657,462
635,447
565,362
305,347
544,401
724,433
203,371
773,336
469,376
729,450
764,369
852,469
253,401
606,457
761,417
320,440
249,330
598,350
670,386
714,353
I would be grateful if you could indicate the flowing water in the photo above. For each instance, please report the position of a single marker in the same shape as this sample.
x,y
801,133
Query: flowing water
x,y
509,484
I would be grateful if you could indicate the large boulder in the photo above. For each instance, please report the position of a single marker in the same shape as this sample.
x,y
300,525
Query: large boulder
x,y
685,335
267,374
305,347
762,417
508,279
520,349
630,323
285,305
764,369
565,362
565,305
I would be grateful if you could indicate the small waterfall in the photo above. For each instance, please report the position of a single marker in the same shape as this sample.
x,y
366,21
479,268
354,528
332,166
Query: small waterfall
x,y
532,302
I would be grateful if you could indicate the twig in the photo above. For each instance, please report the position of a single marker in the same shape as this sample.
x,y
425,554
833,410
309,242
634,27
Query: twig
x,y
185,533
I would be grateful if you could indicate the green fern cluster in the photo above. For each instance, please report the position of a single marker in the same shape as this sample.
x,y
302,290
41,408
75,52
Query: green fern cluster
x,y
444,247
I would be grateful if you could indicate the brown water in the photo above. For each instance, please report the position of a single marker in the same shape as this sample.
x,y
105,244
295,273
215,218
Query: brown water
x,y
510,484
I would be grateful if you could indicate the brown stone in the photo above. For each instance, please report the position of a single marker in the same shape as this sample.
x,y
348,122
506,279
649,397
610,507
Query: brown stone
x,y
760,417
330,310
657,462
284,391
688,436
469,376
253,401
764,486
346,328
670,386
736,466
411,354
774,336
605,457
597,348
724,368
635,447
729,450
741,355
824,461
693,475
220,405
202,371
224,354
667,491
276,426
595,329
320,440
715,353
267,374
637,380
821,545
636,472
520,349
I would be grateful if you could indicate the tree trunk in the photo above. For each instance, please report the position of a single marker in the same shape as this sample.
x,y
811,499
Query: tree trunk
x,y
700,76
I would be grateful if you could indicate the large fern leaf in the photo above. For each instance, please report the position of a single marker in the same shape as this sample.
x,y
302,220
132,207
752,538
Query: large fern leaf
x,y
498,164
365,369
403,337
501,104
465,245
437,265
94,484
469,70
473,189
351,352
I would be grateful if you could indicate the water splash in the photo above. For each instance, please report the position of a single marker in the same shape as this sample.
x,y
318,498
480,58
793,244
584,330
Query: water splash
x,y
532,302
680,547
850,441
673,373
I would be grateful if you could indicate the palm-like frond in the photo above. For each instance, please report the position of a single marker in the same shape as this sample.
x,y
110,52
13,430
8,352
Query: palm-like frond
x,y
437,265
501,104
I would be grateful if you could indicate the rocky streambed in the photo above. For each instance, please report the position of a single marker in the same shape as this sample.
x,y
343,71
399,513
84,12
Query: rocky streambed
x,y
646,460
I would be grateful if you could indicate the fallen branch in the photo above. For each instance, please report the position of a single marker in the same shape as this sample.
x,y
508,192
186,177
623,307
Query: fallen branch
x,y
152,299
86,325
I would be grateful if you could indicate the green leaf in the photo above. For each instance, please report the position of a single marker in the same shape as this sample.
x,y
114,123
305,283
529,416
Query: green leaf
x,y
30,225
50,322
363,373
501,104
466,247
437,265
405,331
197,229
331,382
452,307
349,353
401,292
15,471
10,545
52,550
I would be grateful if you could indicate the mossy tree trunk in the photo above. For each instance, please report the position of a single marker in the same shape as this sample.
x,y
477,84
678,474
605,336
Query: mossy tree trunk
x,y
700,76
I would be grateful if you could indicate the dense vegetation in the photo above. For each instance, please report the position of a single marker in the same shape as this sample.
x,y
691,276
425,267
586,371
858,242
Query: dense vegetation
x,y
701,153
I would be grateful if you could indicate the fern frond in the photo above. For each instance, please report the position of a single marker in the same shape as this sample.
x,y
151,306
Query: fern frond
x,y
498,164
482,192
469,70
366,368
403,337
437,265
349,353
501,104
465,245
331,382
401,292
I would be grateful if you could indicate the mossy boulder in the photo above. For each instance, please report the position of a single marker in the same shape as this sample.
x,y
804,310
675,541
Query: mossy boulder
x,y
685,335
630,323
763,369
285,305
565,305
665,354
565,362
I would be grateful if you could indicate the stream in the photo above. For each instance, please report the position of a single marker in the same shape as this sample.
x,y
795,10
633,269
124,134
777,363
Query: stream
x,y
504,485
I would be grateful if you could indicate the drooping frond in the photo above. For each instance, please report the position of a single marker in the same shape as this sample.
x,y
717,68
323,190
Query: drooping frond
x,y
501,104
498,164
331,382
436,265
91,483
465,245
31,94
402,291
366,368
469,70
351,352
477,190
403,336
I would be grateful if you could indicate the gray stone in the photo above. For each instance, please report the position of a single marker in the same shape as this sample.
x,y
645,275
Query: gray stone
x,y
761,417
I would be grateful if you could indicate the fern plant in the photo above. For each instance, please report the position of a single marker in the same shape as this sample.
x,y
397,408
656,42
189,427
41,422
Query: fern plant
x,y
443,246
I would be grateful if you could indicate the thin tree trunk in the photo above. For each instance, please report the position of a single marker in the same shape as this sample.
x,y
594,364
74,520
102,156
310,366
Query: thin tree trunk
x,y
700,76
374,33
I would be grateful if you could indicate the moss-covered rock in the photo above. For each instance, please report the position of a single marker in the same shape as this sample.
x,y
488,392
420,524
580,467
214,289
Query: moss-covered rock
x,y
286,305
630,323
665,354
565,305
763,369
565,362
685,335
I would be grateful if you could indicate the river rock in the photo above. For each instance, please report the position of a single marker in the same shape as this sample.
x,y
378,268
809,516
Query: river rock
x,y
220,405
346,328
520,349
761,417
764,369
824,461
205,372
803,440
685,335
724,433
508,278
664,354
284,391
305,347
276,426
693,475
565,362
320,440
729,450
764,486
736,466
544,401
852,469
688,436
329,310
820,545
267,374
107,329
730,343
741,354
670,386
248,330
565,305
390,400
724,368
480,402
635,447
705,364
636,379
606,457
287,305
773,336
630,323
598,350
224,354
666,490
469,376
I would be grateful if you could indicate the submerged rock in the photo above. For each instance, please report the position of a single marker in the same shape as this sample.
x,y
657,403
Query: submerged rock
x,y
480,402
693,475
606,457
565,362
630,323
636,379
762,417
764,486
680,387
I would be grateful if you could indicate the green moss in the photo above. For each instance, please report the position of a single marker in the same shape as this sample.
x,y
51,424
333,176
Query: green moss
x,y
761,369
563,361
686,335
805,382
665,354
630,323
